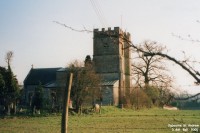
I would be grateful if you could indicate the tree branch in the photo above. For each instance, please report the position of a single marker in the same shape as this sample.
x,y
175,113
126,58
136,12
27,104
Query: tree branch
x,y
146,53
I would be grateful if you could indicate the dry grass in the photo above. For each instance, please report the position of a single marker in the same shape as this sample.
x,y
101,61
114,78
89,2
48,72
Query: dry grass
x,y
111,120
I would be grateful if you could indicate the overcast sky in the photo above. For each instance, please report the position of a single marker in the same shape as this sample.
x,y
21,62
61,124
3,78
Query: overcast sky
x,y
27,28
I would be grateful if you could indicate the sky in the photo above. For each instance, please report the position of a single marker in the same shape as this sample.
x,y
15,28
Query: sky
x,y
28,29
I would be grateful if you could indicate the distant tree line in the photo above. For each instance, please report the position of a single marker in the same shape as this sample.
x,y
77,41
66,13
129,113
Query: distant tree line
x,y
186,101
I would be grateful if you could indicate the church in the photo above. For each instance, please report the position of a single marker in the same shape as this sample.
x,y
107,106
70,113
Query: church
x,y
112,60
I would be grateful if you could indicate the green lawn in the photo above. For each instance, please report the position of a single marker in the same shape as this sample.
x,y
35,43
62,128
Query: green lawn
x,y
111,120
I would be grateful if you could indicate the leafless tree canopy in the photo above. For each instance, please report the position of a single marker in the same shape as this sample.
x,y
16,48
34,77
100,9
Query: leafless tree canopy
x,y
150,70
8,57
85,86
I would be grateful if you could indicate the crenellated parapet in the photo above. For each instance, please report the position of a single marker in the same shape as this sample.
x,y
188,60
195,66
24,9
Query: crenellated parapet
x,y
110,32
103,30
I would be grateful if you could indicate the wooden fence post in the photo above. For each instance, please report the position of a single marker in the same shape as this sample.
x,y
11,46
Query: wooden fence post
x,y
64,124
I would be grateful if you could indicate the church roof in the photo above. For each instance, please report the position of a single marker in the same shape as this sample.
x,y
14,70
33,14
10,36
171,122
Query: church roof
x,y
109,82
52,85
41,75
62,70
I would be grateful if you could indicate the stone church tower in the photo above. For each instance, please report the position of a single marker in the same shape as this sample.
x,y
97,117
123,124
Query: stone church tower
x,y
111,56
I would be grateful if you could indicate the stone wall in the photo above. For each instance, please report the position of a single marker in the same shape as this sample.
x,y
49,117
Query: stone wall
x,y
112,58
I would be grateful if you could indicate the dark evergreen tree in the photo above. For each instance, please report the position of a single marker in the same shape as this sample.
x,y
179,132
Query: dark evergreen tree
x,y
37,102
2,83
11,91
9,86
2,89
88,61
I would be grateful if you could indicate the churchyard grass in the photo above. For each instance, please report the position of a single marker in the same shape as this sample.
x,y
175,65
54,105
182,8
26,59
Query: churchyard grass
x,y
111,120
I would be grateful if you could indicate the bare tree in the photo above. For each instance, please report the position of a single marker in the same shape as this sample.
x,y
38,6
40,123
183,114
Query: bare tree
x,y
150,70
193,72
182,63
85,87
8,57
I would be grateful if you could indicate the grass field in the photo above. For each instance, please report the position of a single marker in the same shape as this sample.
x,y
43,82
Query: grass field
x,y
111,120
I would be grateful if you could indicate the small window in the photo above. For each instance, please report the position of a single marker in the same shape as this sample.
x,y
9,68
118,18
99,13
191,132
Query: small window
x,y
106,45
